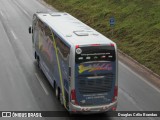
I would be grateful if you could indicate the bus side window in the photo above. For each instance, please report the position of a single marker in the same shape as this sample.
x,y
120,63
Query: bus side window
x,y
47,31
41,25
62,47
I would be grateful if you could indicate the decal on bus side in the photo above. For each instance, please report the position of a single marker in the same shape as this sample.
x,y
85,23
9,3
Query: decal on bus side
x,y
59,69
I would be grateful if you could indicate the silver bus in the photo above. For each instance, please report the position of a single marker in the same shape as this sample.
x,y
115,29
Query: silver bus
x,y
79,62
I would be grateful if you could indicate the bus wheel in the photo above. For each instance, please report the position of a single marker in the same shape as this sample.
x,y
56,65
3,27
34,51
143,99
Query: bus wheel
x,y
38,62
61,98
35,55
57,91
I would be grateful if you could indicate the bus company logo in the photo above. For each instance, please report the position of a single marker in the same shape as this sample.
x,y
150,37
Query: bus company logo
x,y
94,67
78,50
6,114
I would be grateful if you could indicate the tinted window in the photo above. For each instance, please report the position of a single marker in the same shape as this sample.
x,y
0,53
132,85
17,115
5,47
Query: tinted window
x,y
41,25
63,48
48,32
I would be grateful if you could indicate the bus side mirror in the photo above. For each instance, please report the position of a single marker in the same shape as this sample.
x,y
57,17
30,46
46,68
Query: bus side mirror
x,y
30,29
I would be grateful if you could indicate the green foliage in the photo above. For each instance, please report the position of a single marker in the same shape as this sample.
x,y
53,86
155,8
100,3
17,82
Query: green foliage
x,y
137,28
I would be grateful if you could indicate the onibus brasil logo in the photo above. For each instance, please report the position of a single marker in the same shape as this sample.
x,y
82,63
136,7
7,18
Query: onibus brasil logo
x,y
94,67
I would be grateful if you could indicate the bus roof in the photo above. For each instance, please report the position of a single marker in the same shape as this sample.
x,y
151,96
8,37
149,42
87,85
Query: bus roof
x,y
72,30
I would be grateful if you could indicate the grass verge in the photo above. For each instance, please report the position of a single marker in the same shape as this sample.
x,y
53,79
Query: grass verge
x,y
137,28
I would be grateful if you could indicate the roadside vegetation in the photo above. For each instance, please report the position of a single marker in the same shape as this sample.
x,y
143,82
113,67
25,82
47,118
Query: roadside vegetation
x,y
137,28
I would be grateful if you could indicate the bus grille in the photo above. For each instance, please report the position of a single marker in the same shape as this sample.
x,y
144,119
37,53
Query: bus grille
x,y
91,86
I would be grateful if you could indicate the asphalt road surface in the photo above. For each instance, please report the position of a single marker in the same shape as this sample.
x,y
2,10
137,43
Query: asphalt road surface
x,y
23,87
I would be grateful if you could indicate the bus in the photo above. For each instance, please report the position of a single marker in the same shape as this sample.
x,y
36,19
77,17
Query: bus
x,y
79,62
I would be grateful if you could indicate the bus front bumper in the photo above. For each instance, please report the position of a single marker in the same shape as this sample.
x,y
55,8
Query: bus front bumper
x,y
93,109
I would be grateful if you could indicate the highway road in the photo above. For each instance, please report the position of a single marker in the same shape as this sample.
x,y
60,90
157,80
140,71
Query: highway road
x,y
23,87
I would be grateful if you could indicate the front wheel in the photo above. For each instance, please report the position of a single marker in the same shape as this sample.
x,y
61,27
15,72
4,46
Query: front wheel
x,y
38,62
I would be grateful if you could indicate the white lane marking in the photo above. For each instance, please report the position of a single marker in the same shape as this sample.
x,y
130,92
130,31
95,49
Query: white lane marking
x,y
22,9
41,83
14,35
148,83
130,98
7,39
2,13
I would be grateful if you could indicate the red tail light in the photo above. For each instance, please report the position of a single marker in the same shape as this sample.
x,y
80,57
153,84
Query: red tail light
x,y
95,44
115,94
114,108
73,97
112,44
77,46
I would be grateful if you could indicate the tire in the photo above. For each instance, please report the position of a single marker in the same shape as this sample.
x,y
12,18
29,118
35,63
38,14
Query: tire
x,y
61,98
35,55
38,62
57,92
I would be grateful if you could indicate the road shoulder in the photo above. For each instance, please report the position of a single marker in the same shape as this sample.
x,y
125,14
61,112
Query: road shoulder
x,y
140,69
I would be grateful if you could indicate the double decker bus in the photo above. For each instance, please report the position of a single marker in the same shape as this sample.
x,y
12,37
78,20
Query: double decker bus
x,y
79,62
